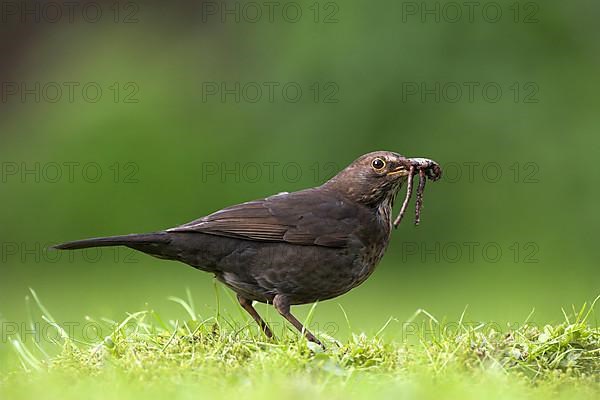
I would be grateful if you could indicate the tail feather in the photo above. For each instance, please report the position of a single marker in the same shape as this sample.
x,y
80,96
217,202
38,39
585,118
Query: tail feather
x,y
123,240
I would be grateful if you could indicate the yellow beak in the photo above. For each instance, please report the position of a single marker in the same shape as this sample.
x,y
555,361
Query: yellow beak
x,y
399,170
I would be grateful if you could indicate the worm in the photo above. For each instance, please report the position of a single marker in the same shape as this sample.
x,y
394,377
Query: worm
x,y
426,169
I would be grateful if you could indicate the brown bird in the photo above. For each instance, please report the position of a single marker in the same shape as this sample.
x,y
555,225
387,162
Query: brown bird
x,y
294,248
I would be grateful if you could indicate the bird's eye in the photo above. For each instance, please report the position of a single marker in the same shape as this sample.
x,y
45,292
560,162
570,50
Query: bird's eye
x,y
378,164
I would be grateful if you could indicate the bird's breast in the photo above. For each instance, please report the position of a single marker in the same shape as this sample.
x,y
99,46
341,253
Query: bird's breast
x,y
375,242
384,216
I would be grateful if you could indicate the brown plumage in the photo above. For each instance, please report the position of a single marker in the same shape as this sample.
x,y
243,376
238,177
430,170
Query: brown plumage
x,y
294,248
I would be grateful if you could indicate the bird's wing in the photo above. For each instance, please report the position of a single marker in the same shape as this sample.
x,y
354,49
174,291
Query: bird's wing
x,y
308,217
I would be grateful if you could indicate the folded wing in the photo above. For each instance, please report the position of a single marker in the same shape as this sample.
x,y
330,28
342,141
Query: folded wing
x,y
308,217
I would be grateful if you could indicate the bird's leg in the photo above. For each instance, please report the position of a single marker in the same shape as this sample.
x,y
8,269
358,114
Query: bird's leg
x,y
282,306
247,305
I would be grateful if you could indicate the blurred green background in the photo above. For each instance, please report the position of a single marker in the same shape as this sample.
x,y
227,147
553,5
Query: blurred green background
x,y
173,138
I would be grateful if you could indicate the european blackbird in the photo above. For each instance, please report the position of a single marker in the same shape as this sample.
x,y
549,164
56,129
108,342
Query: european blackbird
x,y
293,248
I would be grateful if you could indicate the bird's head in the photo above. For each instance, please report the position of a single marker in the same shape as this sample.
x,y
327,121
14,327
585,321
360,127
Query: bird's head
x,y
374,178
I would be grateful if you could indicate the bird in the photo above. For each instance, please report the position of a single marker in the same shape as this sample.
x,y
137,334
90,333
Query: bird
x,y
293,248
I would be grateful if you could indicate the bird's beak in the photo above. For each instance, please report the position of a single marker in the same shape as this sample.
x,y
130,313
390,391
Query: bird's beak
x,y
400,170
401,167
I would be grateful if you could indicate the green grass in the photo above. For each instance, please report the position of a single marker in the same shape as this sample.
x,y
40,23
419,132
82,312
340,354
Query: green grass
x,y
146,355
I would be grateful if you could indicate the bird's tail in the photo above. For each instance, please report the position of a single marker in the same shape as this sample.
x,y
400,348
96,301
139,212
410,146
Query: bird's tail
x,y
133,240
